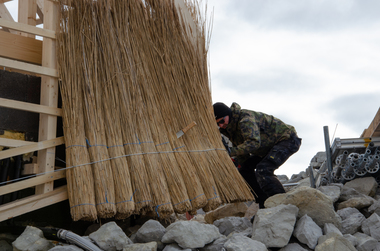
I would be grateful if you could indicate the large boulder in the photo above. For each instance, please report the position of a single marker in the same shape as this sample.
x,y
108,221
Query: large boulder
x,y
110,237
190,234
307,231
229,224
232,209
334,242
32,239
274,226
352,220
366,185
241,243
309,201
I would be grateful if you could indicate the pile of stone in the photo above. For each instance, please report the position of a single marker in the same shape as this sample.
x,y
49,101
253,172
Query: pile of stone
x,y
334,217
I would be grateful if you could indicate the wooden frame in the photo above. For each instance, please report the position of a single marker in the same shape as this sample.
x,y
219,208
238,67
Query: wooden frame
x,y
20,51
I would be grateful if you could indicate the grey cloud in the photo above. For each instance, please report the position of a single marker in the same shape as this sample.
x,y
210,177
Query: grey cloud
x,y
277,82
306,15
354,111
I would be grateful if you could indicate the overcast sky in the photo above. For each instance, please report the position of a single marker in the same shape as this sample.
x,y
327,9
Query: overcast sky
x,y
309,63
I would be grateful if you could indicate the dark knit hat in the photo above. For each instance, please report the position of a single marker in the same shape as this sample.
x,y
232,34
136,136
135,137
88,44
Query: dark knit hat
x,y
221,110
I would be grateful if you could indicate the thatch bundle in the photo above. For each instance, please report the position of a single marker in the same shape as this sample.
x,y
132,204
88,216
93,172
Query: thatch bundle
x,y
141,75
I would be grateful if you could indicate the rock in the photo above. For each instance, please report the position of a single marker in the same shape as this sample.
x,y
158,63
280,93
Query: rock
x,y
357,202
293,247
66,248
110,237
330,228
151,246
307,231
217,245
366,185
242,243
230,224
5,246
174,247
247,232
274,226
332,191
365,242
251,211
151,230
334,242
32,239
233,209
190,234
310,201
352,239
320,157
348,193
375,207
371,226
352,220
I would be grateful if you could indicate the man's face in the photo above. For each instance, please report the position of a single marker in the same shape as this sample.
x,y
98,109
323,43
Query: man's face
x,y
223,122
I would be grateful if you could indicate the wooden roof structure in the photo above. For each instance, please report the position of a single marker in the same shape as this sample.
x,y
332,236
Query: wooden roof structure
x,y
373,129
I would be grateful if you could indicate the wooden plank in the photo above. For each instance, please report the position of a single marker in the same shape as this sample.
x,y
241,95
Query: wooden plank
x,y
25,106
27,28
39,70
29,169
40,10
32,203
20,48
4,13
4,1
49,96
31,148
27,10
373,129
31,182
14,142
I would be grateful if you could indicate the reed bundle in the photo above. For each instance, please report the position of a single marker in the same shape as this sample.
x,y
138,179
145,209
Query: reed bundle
x,y
141,74
125,205
80,180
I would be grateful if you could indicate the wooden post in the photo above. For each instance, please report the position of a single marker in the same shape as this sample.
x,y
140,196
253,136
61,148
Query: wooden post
x,y
49,96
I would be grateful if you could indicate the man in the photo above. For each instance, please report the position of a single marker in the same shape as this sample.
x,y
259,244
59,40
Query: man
x,y
261,144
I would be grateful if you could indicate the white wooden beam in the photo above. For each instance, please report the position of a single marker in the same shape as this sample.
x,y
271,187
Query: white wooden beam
x,y
27,11
49,96
25,106
4,13
32,203
31,182
15,143
39,70
27,28
32,147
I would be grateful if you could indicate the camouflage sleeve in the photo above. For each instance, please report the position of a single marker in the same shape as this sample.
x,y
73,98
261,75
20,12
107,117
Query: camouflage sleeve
x,y
250,132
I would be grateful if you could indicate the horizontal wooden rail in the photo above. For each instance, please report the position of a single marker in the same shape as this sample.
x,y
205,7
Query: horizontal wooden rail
x,y
31,203
31,148
39,70
27,28
29,107
15,143
17,186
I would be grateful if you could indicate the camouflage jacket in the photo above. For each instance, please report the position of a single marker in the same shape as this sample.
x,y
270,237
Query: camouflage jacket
x,y
254,132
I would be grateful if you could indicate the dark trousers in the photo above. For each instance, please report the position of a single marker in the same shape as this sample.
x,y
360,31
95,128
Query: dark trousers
x,y
259,172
